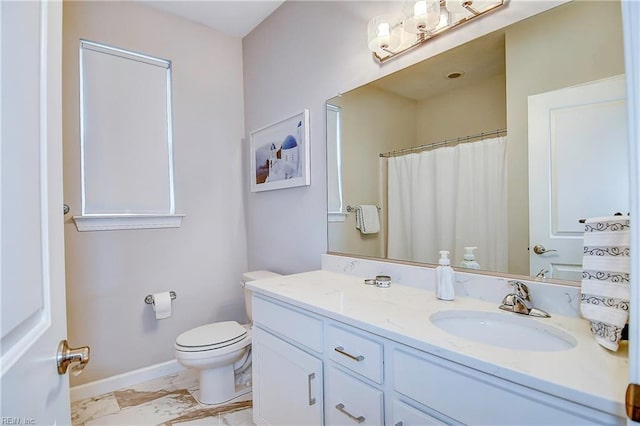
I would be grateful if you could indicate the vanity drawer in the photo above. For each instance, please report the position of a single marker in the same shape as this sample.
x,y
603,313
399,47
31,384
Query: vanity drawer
x,y
295,325
351,401
357,353
472,397
405,415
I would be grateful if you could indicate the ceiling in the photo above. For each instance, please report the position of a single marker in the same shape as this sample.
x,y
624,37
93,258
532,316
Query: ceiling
x,y
477,60
233,17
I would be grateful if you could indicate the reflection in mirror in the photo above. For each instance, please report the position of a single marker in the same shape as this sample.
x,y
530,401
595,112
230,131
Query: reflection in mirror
x,y
428,146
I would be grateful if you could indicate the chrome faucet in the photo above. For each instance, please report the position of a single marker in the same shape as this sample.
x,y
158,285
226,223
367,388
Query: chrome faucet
x,y
520,302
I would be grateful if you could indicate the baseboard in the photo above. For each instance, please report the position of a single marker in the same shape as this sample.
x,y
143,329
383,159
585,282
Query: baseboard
x,y
113,383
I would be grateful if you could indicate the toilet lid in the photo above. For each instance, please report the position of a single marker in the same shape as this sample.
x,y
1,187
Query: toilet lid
x,y
219,333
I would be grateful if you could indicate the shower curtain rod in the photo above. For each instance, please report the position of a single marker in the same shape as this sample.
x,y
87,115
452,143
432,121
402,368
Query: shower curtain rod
x,y
460,139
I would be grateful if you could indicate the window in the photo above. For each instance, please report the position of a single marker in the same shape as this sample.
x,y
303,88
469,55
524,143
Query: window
x,y
126,140
334,165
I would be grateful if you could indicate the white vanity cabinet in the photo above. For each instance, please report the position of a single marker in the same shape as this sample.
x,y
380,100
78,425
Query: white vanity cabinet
x,y
287,380
311,369
472,397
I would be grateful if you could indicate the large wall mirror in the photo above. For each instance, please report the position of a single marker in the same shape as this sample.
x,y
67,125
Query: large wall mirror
x,y
504,143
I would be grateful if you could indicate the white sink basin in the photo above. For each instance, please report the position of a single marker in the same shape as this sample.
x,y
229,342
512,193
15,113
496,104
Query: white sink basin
x,y
505,330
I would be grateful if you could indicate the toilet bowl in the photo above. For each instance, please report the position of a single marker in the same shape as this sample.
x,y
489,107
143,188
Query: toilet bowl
x,y
217,350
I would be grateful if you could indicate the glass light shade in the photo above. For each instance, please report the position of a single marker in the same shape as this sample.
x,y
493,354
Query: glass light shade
x,y
421,16
382,34
445,19
455,6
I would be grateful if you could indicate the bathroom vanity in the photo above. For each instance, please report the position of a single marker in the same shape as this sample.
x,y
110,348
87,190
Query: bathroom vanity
x,y
328,349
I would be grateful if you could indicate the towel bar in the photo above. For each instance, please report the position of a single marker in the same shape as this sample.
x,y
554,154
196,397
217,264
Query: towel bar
x,y
582,220
353,209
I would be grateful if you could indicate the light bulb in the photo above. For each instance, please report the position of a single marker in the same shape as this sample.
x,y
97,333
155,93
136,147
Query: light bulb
x,y
382,36
421,16
383,29
420,8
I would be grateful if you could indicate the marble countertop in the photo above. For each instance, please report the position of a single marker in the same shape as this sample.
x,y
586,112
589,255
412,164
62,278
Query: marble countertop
x,y
587,374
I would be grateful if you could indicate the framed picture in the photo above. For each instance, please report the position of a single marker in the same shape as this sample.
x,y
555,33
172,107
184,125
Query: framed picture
x,y
280,154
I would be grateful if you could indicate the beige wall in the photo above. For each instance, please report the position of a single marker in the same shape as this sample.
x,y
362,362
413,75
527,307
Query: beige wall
x,y
109,273
553,53
373,121
468,110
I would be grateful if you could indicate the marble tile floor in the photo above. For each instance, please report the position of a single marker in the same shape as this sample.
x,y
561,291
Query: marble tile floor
x,y
165,401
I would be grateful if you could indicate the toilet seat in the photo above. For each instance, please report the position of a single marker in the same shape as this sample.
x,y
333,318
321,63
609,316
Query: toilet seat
x,y
211,337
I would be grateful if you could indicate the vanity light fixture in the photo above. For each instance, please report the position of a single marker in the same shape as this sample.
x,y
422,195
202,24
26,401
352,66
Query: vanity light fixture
x,y
391,35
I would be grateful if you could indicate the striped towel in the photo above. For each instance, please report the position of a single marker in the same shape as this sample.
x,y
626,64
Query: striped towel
x,y
605,278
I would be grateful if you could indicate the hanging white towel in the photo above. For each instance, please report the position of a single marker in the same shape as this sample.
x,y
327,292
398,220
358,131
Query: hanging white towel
x,y
605,278
367,220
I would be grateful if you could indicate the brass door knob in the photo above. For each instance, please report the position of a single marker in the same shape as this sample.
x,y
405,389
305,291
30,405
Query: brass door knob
x,y
632,402
67,355
539,249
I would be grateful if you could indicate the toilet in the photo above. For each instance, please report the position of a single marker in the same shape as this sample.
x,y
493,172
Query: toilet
x,y
219,350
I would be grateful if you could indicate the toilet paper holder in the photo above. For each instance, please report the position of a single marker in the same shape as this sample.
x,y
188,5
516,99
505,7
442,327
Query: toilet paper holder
x,y
149,299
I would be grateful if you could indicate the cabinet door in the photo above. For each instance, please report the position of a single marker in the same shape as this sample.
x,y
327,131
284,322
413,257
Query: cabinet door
x,y
287,383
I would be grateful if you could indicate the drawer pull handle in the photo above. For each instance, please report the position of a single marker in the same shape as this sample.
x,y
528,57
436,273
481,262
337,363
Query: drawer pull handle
x,y
310,377
398,424
341,351
358,419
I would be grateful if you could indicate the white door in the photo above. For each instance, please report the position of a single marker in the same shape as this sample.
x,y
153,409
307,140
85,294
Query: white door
x,y
32,293
578,168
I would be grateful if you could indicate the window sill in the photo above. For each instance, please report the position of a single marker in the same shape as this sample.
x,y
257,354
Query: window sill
x,y
115,222
336,217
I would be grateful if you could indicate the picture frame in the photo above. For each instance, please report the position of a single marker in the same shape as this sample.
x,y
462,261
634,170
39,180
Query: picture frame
x,y
280,154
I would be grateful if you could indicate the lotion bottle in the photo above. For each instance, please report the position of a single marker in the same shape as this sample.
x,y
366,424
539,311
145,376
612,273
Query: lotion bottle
x,y
444,277
469,261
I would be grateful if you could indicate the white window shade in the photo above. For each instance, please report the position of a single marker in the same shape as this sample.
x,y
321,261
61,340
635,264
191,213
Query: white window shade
x,y
126,135
334,165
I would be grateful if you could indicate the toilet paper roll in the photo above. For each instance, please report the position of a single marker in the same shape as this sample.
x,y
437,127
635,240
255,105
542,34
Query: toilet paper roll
x,y
162,304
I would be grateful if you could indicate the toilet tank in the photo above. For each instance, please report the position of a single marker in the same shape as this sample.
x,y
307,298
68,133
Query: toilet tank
x,y
252,276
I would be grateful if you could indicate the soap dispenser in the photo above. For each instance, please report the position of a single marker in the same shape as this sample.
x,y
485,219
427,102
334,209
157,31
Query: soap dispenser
x,y
469,261
444,277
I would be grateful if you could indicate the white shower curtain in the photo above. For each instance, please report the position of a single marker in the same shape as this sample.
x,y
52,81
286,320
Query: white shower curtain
x,y
449,198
